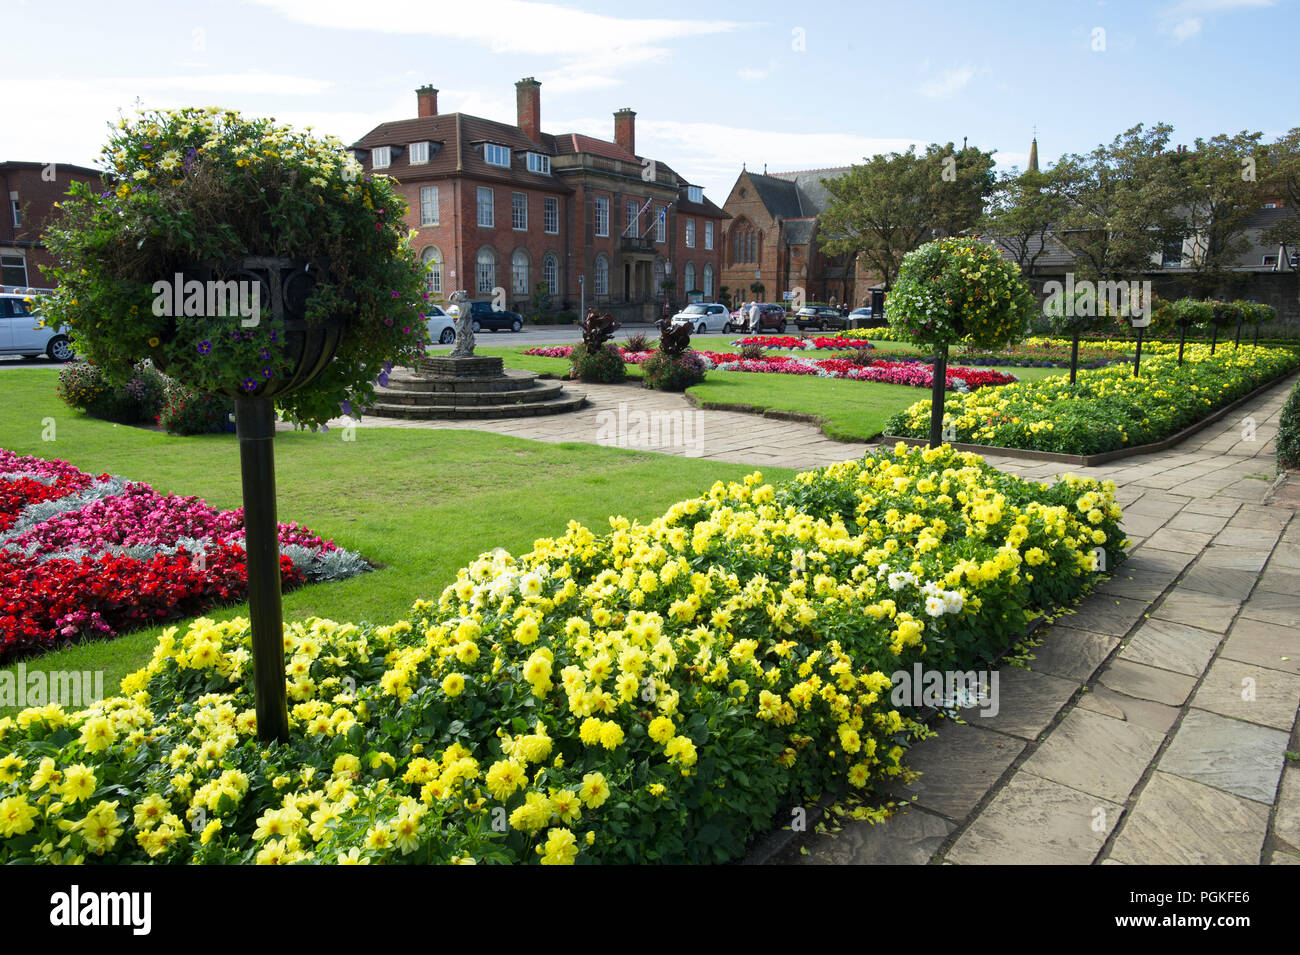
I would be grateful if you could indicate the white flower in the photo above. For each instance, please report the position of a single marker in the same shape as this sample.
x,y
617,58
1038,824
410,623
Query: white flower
x,y
899,579
934,606
953,601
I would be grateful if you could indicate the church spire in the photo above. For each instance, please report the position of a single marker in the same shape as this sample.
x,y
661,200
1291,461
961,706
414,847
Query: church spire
x,y
1033,155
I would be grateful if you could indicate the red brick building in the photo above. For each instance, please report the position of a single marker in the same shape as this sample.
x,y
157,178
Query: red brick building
x,y
507,206
30,190
772,239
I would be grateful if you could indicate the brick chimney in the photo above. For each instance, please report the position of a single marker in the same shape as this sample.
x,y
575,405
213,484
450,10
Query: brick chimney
x,y
426,101
528,102
625,129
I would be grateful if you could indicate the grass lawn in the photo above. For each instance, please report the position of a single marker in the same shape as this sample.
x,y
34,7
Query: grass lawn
x,y
420,502
854,410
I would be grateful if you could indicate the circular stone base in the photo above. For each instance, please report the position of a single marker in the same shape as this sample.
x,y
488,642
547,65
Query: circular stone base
x,y
473,367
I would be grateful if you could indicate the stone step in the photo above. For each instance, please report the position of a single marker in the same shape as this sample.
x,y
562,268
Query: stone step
x,y
571,401
541,391
512,380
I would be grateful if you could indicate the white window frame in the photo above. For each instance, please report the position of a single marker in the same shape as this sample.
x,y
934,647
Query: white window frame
x,y
631,208
688,278
501,154
21,257
539,164
708,236
485,281
519,269
551,273
487,203
428,206
418,153
432,259
707,281
519,211
602,216
661,225
601,278
695,193
690,233
381,157
551,215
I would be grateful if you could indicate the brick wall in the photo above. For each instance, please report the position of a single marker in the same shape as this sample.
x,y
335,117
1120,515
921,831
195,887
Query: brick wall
x,y
38,188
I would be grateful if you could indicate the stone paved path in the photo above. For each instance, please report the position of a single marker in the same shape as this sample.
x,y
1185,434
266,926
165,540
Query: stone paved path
x,y
1154,723
629,416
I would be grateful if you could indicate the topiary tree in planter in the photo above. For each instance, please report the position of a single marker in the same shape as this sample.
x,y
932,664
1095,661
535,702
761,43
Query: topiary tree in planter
x,y
1261,314
1190,313
1222,315
674,365
958,290
248,260
1072,317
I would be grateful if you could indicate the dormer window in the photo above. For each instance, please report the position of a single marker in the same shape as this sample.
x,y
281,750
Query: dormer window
x,y
695,193
539,164
495,155
419,153
381,157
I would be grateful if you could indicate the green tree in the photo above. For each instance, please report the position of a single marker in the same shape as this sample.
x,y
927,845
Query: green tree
x,y
1280,180
1220,192
1122,203
888,206
1024,209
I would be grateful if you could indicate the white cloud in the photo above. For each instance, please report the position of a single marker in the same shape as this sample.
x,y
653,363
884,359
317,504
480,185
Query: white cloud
x,y
948,82
1186,18
1186,29
751,75
594,47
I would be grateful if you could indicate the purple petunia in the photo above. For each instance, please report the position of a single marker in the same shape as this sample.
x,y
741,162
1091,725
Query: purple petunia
x,y
346,406
266,354
205,346
266,372
396,294
250,384
382,380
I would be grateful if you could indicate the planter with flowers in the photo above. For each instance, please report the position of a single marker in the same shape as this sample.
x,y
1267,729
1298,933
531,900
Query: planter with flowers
x,y
957,290
248,260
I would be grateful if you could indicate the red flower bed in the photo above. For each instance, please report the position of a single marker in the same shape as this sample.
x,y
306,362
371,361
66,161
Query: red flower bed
x,y
44,604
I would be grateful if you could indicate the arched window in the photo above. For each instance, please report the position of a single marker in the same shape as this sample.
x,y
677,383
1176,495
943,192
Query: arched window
x,y
660,275
519,272
432,259
708,282
688,276
487,270
551,273
602,275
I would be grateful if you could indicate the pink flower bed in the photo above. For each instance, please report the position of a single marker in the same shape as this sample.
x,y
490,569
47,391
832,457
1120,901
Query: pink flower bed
x,y
914,374
789,341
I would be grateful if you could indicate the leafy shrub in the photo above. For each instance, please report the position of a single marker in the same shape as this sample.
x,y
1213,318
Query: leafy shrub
x,y
600,363
637,341
193,412
1288,432
1190,312
758,352
665,372
85,387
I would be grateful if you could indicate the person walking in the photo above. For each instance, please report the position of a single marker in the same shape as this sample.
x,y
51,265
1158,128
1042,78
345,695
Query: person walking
x,y
754,319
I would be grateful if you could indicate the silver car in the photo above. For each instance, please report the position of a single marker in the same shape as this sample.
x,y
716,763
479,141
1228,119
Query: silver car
x,y
21,332
704,317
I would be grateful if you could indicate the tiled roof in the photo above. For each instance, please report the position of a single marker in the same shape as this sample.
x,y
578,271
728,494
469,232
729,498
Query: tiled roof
x,y
779,196
570,143
799,231
796,195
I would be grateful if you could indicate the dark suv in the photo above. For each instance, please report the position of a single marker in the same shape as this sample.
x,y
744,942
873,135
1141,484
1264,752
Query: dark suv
x,y
485,316
819,317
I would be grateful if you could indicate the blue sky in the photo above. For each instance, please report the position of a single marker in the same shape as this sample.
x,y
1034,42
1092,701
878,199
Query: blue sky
x,y
713,84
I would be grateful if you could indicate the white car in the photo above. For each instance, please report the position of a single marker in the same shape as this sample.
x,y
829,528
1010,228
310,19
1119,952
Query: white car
x,y
20,333
441,327
704,317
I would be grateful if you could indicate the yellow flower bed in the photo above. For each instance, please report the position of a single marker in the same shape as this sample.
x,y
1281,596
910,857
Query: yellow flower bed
x,y
661,692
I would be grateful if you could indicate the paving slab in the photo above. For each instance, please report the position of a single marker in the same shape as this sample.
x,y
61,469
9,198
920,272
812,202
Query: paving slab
x,y
910,837
1241,758
1183,542
1265,644
958,768
1276,608
1147,682
1250,559
1218,508
1028,701
1095,754
1189,520
1250,692
1102,613
1145,713
1286,823
1281,580
1072,654
1207,611
1280,857
1177,821
1172,646
1035,821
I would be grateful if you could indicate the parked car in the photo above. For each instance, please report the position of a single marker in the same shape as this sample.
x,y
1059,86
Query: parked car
x,y
441,328
485,316
21,333
863,318
705,317
770,318
819,317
